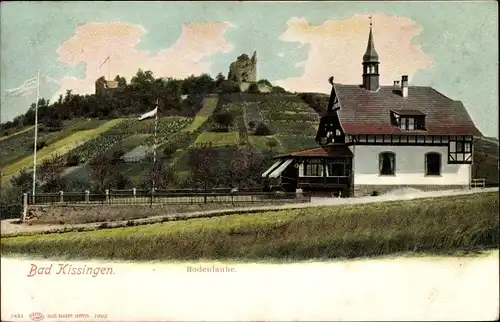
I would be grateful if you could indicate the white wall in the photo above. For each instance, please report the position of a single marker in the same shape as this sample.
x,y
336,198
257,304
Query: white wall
x,y
410,166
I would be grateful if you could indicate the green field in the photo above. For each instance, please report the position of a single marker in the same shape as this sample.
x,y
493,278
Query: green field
x,y
433,225
218,138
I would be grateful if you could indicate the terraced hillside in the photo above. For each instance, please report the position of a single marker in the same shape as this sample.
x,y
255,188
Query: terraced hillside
x,y
17,150
20,145
293,123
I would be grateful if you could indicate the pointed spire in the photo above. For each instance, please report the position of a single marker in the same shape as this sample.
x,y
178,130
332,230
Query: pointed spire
x,y
370,54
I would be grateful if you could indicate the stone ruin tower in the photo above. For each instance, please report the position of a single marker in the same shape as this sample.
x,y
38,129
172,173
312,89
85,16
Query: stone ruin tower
x,y
243,71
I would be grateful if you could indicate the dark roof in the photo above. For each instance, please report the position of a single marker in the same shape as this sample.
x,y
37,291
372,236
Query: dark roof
x,y
331,150
365,112
370,54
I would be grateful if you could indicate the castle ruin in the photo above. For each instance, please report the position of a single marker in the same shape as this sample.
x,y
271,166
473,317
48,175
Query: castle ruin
x,y
243,71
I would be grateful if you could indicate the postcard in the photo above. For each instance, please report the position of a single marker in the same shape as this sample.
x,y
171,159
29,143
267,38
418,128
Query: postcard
x,y
249,161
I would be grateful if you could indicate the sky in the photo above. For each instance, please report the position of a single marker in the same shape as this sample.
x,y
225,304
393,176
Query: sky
x,y
451,46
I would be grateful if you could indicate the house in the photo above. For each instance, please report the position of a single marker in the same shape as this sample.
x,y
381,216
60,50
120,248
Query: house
x,y
378,138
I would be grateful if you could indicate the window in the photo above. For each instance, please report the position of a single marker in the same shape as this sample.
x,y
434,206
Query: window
x,y
387,163
406,123
336,170
402,123
460,150
433,164
313,169
411,124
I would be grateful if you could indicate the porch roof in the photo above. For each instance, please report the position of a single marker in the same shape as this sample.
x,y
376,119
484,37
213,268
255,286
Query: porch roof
x,y
333,150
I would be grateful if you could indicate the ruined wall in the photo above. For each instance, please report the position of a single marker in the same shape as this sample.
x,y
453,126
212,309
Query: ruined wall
x,y
244,69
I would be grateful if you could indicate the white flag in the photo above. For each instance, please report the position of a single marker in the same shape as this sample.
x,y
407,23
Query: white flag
x,y
28,88
149,114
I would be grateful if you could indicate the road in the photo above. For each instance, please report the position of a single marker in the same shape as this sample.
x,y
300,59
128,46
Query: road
x,y
10,228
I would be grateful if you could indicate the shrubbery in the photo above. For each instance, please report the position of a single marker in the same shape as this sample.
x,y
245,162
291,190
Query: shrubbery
x,y
263,129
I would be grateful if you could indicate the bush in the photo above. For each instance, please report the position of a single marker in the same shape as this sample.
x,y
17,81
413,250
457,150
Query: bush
x,y
263,129
251,125
228,86
39,145
117,156
72,160
253,88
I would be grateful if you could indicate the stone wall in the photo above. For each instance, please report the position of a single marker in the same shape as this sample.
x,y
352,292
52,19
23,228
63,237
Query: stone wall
x,y
367,190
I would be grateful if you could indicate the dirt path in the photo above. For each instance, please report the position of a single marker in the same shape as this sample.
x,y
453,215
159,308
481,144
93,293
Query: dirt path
x,y
9,227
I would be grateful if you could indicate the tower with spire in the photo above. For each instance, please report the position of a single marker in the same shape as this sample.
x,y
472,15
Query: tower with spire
x,y
370,64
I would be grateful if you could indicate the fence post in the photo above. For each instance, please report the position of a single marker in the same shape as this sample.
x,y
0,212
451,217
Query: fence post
x,y
107,196
87,196
61,196
25,206
135,194
152,195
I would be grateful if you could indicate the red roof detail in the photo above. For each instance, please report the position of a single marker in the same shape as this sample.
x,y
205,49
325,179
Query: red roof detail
x,y
332,150
365,112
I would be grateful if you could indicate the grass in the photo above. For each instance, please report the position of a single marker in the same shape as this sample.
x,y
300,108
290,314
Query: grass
x,y
261,142
16,133
209,105
16,147
59,147
218,138
432,225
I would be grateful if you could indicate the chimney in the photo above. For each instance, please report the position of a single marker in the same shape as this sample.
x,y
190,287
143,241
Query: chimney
x,y
396,87
404,85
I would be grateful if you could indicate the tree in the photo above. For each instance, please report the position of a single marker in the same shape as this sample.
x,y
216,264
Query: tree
x,y
169,149
50,173
265,82
246,166
253,88
479,158
271,143
158,173
39,145
53,124
122,82
223,120
101,171
203,167
23,181
117,157
72,159
219,79
263,129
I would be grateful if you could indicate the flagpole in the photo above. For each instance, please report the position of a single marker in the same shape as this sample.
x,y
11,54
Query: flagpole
x,y
36,132
154,147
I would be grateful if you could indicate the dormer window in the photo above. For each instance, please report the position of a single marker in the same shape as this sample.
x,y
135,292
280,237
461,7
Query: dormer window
x,y
408,120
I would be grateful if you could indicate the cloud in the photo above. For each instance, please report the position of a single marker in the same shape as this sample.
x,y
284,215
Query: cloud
x,y
93,42
336,48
